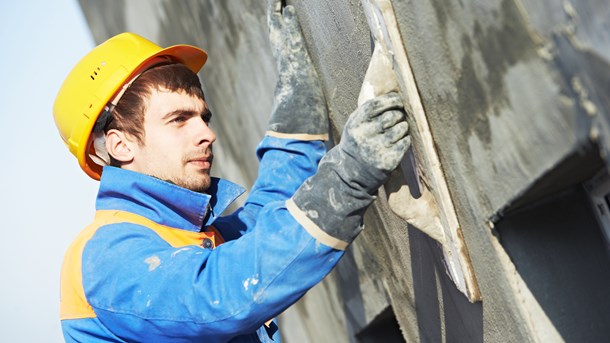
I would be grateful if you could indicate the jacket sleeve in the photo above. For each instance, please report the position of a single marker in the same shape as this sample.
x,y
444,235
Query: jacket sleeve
x,y
143,289
284,164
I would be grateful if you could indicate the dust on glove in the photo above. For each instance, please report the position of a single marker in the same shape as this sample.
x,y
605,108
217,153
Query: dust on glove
x,y
299,108
331,204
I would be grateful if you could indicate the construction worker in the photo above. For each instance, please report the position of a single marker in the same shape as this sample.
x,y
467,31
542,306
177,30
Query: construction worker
x,y
158,263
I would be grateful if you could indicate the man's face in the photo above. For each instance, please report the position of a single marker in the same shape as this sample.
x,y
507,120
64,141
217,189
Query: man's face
x,y
177,140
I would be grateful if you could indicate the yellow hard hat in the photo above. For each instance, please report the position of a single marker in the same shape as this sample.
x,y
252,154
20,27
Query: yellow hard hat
x,y
98,77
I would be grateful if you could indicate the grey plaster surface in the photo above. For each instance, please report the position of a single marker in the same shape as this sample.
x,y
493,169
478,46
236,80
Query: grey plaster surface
x,y
506,107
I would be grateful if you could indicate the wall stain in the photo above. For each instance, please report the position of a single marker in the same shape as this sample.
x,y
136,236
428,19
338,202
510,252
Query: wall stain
x,y
441,15
591,72
472,99
499,48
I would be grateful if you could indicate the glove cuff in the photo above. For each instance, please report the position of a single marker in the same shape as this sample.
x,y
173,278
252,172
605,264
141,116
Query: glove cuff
x,y
332,201
298,136
299,113
313,229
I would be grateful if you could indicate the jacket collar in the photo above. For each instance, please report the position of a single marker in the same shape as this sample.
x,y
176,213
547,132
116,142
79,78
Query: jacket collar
x,y
164,202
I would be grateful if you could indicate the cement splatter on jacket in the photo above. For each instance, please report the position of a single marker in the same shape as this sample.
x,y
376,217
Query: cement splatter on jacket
x,y
159,264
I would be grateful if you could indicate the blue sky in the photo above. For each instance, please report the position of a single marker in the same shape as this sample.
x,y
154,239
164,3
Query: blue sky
x,y
45,199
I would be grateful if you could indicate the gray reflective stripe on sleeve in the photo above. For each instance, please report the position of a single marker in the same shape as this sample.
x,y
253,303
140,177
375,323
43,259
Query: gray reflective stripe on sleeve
x,y
313,229
298,136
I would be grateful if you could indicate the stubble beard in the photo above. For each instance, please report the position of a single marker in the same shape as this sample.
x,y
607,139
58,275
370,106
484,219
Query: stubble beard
x,y
199,181
198,184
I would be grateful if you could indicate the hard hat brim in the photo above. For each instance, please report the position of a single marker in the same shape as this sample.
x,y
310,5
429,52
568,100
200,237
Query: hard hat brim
x,y
191,56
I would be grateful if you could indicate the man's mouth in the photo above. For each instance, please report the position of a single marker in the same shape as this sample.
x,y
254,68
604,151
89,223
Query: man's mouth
x,y
203,162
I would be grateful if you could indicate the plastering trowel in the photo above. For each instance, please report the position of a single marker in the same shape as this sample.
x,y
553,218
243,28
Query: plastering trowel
x,y
424,200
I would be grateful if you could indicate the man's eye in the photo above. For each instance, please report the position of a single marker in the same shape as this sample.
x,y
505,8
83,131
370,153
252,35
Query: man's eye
x,y
178,119
207,117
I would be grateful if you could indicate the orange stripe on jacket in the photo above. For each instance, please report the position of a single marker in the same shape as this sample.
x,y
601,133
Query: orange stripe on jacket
x,y
73,302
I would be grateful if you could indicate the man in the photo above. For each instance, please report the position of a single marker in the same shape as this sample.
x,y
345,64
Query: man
x,y
158,263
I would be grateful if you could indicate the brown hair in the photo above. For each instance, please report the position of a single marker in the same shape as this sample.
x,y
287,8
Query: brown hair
x,y
128,114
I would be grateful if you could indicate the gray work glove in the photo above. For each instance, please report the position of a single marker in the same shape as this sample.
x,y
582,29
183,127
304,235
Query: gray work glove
x,y
374,141
299,106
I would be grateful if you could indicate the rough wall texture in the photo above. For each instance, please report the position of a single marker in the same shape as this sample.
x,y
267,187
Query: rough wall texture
x,y
512,90
507,102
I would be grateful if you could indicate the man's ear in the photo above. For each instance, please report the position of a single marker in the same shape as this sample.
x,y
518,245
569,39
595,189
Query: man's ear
x,y
120,146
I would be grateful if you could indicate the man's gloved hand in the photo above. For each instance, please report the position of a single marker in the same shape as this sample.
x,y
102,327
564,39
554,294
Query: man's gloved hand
x,y
299,107
374,141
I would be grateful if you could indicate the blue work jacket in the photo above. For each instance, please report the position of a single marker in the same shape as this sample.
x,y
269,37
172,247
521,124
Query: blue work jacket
x,y
150,268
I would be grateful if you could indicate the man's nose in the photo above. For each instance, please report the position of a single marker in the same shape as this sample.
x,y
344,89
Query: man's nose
x,y
204,133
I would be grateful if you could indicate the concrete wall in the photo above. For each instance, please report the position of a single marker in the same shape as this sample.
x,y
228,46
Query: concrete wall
x,y
516,96
512,90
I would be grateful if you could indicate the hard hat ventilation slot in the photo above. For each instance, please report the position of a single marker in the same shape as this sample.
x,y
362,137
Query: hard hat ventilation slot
x,y
95,72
